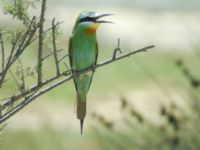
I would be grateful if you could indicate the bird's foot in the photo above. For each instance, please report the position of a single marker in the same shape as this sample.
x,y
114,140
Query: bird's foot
x,y
73,70
93,67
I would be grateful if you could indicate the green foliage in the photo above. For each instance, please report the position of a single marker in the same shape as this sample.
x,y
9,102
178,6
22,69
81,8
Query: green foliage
x,y
19,9
11,34
22,70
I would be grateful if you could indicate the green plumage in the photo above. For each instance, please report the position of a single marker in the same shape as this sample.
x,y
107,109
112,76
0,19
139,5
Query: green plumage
x,y
83,53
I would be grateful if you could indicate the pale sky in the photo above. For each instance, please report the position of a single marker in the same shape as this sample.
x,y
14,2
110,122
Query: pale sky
x,y
145,4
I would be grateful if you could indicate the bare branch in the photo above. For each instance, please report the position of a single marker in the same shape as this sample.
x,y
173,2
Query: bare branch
x,y
27,37
41,91
41,36
54,47
47,30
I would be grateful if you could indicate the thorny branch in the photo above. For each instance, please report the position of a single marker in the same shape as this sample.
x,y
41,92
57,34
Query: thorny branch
x,y
16,52
41,39
37,91
54,47
20,44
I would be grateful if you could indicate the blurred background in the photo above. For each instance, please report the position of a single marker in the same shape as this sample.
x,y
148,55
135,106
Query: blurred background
x,y
148,101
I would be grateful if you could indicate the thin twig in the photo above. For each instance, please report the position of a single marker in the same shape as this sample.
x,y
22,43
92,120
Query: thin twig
x,y
2,51
117,49
62,58
52,53
54,47
41,39
16,82
67,67
47,30
1,112
29,99
14,43
25,36
22,77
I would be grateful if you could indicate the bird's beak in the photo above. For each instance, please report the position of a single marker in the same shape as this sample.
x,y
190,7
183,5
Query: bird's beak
x,y
102,21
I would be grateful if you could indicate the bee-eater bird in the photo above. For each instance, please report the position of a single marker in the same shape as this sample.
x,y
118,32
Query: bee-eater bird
x,y
83,53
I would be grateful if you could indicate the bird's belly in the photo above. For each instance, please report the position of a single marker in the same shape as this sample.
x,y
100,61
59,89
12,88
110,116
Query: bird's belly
x,y
85,75
84,57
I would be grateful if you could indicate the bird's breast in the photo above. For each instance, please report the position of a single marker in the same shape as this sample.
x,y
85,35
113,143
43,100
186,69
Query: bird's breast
x,y
84,53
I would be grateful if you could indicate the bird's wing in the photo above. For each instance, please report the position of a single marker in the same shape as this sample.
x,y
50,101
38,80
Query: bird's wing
x,y
96,57
70,51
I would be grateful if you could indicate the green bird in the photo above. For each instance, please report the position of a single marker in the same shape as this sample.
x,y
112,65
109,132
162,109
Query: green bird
x,y
83,53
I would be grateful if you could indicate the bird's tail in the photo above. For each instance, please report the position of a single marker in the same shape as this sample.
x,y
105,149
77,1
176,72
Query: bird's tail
x,y
81,110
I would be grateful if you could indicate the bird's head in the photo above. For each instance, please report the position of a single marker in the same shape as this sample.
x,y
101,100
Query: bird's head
x,y
89,21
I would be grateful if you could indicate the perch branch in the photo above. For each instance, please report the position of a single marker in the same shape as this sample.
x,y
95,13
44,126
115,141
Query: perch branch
x,y
68,77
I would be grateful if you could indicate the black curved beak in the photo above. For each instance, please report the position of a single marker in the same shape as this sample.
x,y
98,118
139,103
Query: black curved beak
x,y
102,21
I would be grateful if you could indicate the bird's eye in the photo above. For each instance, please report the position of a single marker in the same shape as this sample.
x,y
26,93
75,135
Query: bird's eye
x,y
87,19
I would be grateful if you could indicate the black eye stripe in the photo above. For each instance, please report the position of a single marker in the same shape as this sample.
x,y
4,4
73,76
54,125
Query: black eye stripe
x,y
87,19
